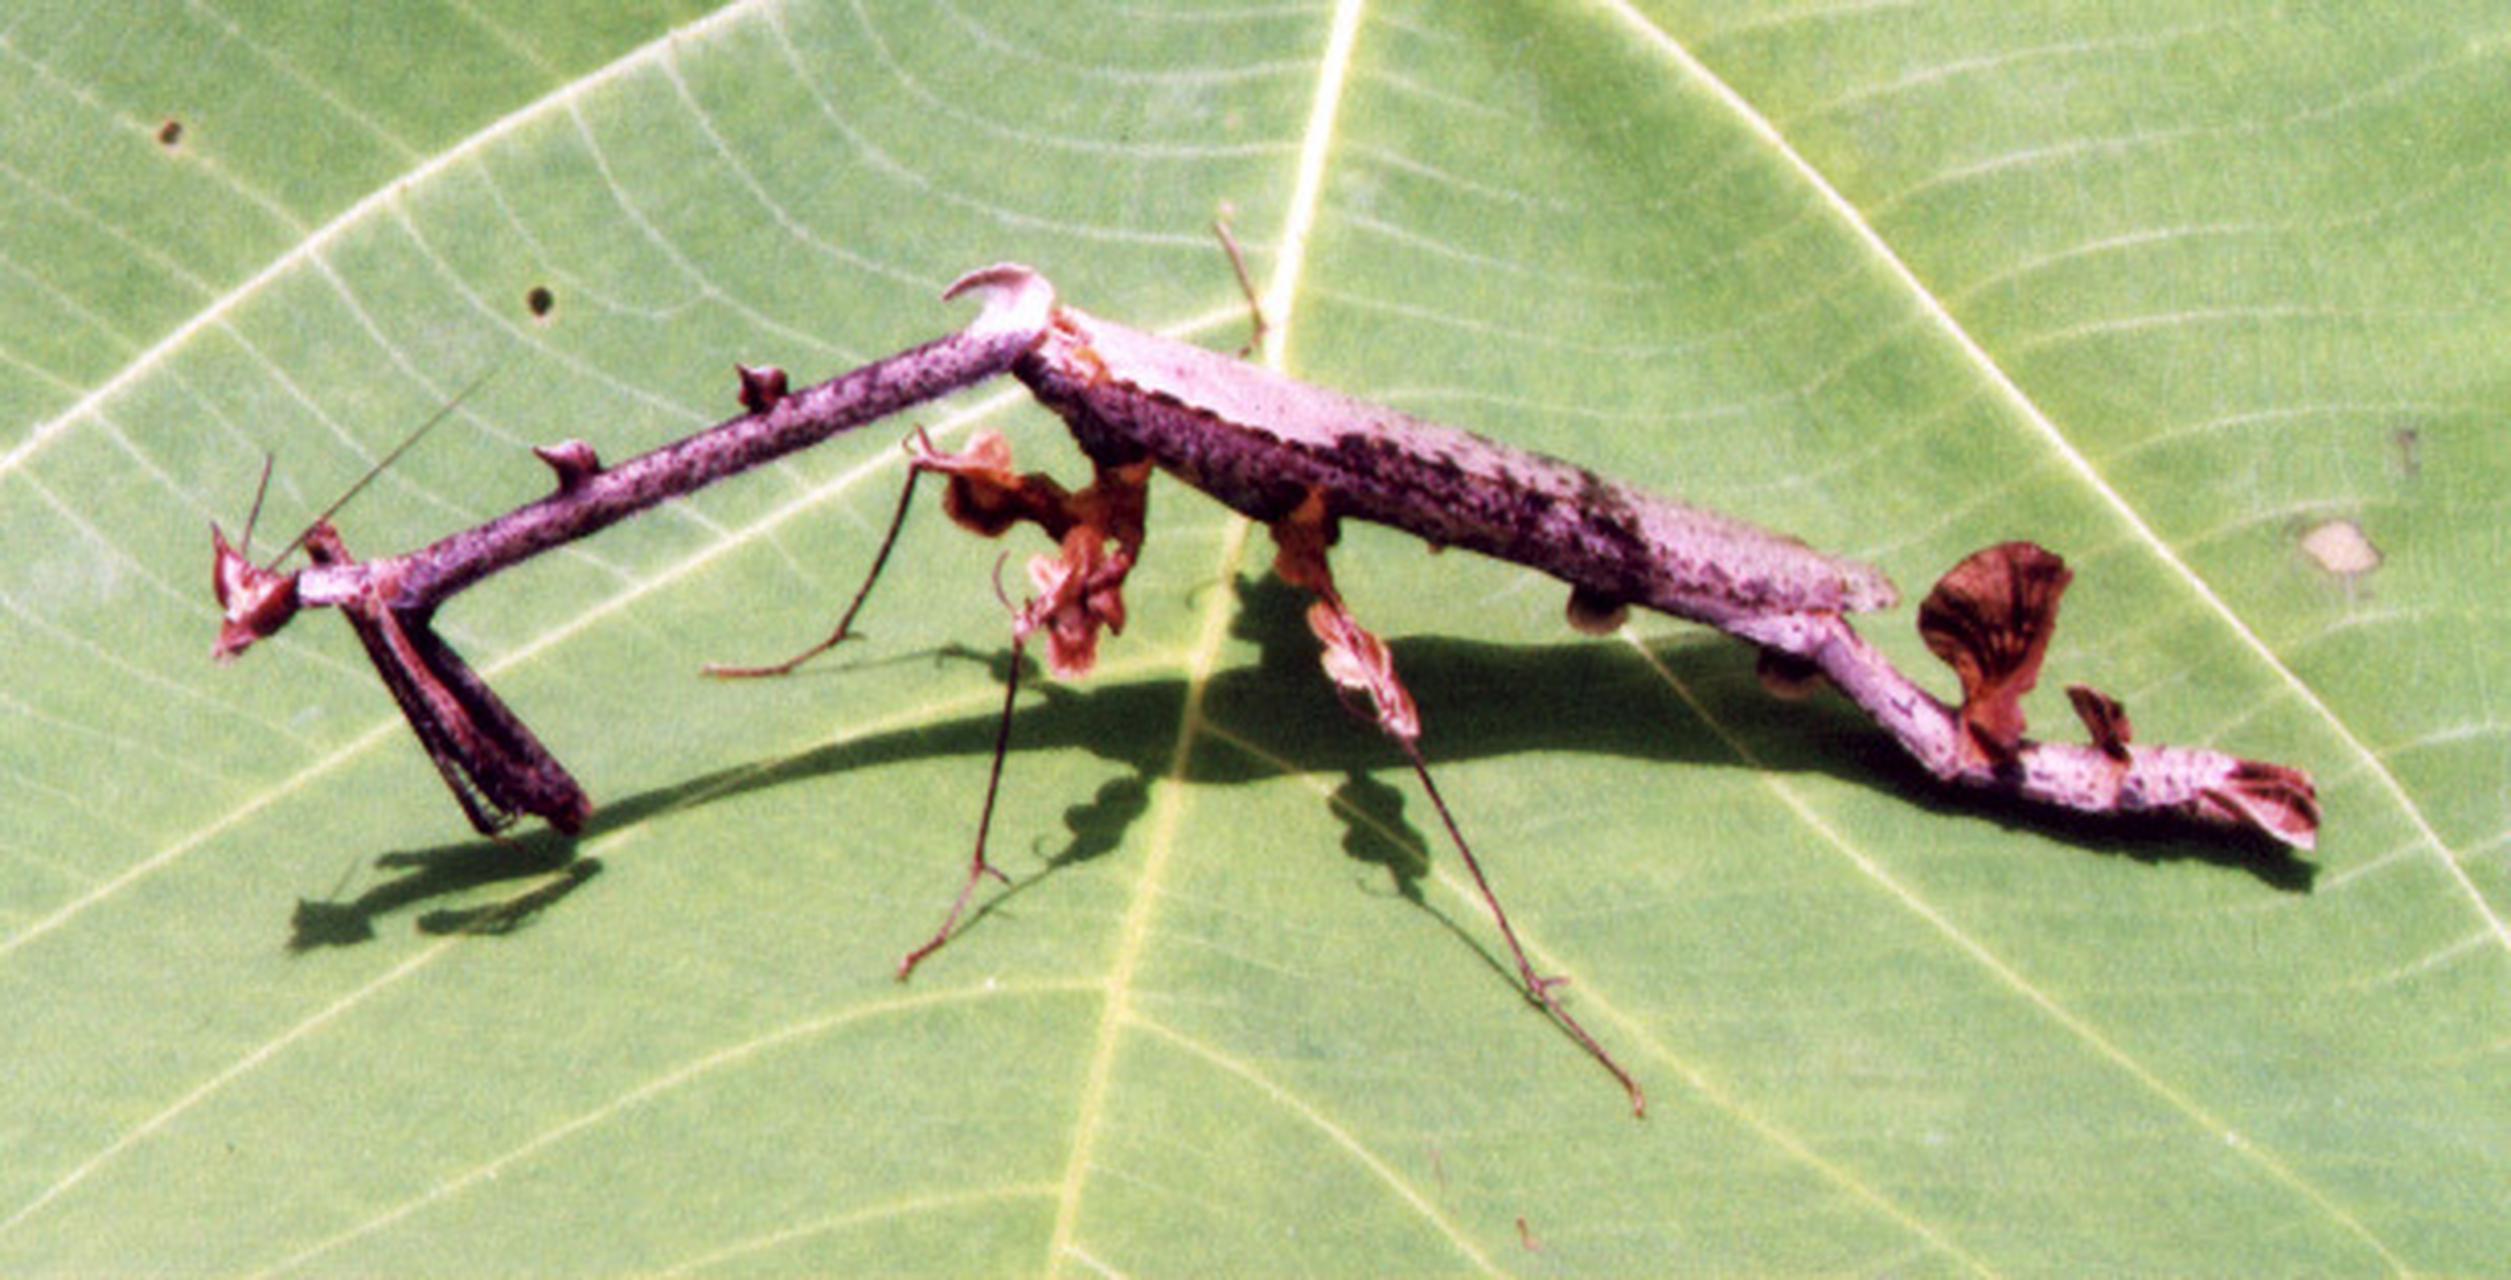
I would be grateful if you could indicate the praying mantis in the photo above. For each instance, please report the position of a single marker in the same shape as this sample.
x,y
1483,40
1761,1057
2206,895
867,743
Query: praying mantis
x,y
1301,460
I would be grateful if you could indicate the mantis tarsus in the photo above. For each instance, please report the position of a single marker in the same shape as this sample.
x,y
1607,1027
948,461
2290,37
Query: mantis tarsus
x,y
1299,459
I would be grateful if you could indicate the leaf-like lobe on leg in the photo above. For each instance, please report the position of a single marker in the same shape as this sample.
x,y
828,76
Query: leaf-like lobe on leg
x,y
985,496
1080,592
1990,619
2276,799
1355,659
2104,719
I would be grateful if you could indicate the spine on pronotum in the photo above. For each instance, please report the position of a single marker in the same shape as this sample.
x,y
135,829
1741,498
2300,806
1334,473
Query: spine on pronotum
x,y
1299,459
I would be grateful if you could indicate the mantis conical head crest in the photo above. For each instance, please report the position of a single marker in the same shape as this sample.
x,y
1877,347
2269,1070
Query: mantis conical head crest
x,y
1016,300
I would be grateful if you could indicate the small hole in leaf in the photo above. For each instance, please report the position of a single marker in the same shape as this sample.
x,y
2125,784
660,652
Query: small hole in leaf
x,y
170,134
540,301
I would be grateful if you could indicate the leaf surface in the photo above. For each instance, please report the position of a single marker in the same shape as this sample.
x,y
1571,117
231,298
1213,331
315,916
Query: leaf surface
x,y
2190,293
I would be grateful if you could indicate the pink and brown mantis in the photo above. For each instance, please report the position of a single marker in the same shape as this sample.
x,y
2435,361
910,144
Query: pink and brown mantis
x,y
1300,460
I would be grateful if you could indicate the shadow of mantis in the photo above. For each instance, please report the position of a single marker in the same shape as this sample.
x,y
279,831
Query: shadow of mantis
x,y
1489,701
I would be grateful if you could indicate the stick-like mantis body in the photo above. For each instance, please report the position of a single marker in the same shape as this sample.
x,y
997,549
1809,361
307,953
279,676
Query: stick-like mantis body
x,y
1300,459
1263,444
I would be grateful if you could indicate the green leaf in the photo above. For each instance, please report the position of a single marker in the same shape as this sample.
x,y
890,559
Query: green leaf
x,y
2165,287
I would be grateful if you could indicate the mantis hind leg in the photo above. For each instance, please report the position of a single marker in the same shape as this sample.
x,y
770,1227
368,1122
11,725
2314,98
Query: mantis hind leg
x,y
1361,666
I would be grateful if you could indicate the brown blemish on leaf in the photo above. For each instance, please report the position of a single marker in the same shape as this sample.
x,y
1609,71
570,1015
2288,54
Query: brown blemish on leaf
x,y
170,134
1990,619
2340,549
540,301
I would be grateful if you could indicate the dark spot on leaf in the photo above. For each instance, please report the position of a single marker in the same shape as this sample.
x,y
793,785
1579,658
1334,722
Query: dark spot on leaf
x,y
170,134
540,301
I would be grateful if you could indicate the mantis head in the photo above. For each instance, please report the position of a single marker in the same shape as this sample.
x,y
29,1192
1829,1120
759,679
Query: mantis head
x,y
257,600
